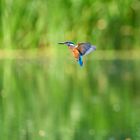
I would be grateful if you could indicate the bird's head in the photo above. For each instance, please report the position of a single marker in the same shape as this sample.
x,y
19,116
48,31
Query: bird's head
x,y
68,43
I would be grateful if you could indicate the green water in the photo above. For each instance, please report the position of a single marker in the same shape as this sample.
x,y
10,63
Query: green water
x,y
40,101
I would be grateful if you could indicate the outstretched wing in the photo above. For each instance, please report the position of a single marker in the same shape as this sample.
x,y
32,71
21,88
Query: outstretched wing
x,y
85,48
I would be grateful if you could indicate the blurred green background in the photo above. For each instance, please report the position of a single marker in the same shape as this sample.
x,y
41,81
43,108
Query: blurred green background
x,y
45,95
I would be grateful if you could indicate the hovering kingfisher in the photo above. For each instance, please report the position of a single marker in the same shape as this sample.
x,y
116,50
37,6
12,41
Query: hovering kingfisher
x,y
79,50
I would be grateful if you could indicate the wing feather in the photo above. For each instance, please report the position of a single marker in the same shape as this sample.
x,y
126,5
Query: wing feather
x,y
85,48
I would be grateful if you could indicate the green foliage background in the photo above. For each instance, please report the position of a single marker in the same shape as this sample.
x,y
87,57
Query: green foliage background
x,y
45,95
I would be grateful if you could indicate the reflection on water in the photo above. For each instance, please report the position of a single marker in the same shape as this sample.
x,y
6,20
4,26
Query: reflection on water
x,y
58,100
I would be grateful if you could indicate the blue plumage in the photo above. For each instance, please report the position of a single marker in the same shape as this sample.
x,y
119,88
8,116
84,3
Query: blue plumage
x,y
80,61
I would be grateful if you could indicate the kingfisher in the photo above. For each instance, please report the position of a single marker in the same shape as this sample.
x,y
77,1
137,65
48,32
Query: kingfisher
x,y
79,50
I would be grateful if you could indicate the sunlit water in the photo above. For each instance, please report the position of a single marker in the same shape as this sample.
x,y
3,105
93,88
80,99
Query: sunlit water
x,y
58,100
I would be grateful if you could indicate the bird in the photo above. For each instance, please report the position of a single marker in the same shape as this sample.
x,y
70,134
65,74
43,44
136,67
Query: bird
x,y
79,50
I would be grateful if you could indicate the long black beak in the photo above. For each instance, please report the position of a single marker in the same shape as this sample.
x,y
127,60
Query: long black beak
x,y
61,43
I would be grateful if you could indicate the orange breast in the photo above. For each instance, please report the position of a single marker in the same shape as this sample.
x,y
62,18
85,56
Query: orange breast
x,y
75,53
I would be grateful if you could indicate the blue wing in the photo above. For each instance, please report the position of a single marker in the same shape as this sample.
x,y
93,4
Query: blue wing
x,y
85,48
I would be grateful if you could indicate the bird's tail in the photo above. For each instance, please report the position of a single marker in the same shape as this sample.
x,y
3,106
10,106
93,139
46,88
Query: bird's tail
x,y
80,61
